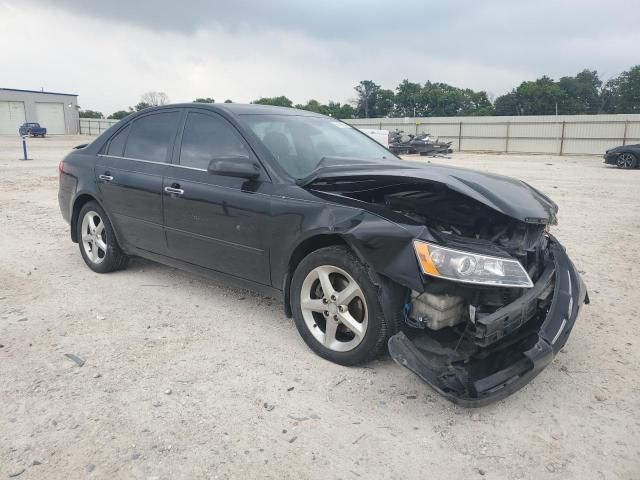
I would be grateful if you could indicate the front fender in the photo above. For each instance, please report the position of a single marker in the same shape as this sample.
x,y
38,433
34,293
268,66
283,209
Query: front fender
x,y
382,244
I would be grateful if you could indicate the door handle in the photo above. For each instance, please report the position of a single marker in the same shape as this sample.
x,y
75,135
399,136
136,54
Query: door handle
x,y
105,177
173,190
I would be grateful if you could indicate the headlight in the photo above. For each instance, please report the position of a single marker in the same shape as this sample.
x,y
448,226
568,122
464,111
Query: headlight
x,y
468,267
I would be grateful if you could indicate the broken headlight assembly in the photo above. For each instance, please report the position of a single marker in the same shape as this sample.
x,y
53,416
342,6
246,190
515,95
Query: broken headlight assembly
x,y
467,267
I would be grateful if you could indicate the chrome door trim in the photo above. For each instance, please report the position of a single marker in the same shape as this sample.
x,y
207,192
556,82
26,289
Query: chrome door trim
x,y
152,162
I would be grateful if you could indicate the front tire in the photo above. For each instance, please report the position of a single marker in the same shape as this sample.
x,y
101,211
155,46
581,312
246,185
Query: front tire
x,y
627,160
98,244
336,307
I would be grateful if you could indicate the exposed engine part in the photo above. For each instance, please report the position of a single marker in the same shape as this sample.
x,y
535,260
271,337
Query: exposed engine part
x,y
437,311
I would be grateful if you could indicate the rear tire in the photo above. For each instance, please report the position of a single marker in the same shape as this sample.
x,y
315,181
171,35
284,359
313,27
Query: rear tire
x,y
346,325
97,240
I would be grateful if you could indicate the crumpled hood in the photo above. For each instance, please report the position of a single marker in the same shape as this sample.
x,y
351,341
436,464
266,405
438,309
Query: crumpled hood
x,y
506,195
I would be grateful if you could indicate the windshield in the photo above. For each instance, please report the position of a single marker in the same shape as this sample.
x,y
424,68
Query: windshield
x,y
299,143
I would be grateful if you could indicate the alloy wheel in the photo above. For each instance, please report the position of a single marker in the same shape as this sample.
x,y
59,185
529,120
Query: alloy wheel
x,y
625,160
334,308
94,237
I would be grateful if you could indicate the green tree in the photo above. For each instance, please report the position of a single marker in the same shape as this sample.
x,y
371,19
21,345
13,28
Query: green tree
x,y
477,103
336,110
332,109
119,115
607,97
581,94
385,103
90,114
312,106
624,92
570,95
344,111
507,104
442,100
228,101
204,100
408,99
280,101
540,97
367,96
446,100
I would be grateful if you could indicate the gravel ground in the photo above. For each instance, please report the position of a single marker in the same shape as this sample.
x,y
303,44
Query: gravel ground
x,y
188,378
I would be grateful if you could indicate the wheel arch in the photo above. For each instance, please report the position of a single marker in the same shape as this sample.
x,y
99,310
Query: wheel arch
x,y
80,201
390,293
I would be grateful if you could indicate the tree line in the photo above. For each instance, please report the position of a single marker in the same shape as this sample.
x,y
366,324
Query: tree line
x,y
584,93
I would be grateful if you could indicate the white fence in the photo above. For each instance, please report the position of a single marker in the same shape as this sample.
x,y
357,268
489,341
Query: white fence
x,y
557,135
95,126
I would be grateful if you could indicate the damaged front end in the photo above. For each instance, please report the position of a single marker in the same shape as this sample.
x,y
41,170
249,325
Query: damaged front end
x,y
497,295
486,358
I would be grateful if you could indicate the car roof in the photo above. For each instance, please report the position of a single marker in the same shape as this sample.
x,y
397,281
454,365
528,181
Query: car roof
x,y
246,109
256,109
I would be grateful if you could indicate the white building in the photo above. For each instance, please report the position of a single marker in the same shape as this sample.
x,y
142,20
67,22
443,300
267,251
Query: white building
x,y
57,112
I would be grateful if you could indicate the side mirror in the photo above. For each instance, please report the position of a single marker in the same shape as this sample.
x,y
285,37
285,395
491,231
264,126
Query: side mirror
x,y
239,166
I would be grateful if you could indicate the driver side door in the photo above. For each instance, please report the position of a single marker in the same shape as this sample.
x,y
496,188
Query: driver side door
x,y
214,221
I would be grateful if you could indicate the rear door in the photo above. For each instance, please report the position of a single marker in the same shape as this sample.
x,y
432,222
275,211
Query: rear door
x,y
221,223
129,175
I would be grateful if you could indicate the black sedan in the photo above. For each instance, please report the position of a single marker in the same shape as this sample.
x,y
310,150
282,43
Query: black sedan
x,y
625,156
454,271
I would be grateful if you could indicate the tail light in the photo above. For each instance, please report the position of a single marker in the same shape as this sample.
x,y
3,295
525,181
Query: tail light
x,y
60,168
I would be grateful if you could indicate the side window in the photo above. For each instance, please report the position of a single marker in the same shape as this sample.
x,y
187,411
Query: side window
x,y
205,137
116,146
151,136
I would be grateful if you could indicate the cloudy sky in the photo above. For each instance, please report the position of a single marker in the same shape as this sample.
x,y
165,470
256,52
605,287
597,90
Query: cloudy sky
x,y
110,52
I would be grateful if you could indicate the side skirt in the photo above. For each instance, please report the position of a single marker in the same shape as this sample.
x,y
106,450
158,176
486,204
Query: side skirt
x,y
218,277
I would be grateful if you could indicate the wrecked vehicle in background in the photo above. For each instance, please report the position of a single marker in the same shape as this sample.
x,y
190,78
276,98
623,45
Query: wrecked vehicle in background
x,y
402,144
426,146
456,271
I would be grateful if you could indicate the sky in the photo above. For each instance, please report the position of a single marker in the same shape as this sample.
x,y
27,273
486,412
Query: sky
x,y
111,52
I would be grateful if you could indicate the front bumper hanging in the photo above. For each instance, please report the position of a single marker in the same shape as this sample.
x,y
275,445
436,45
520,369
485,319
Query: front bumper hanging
x,y
518,357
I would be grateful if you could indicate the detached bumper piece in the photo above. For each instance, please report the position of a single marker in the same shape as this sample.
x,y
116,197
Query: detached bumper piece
x,y
489,366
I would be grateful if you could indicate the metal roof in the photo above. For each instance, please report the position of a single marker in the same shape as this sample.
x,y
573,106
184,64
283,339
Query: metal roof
x,y
38,91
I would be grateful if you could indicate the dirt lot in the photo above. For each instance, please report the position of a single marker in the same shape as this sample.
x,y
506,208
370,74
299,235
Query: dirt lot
x,y
187,378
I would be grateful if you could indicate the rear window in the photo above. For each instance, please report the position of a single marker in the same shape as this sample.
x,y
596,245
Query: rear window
x,y
151,136
116,146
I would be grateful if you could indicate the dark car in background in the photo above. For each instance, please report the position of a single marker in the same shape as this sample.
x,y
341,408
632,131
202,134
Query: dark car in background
x,y
32,129
625,156
454,271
